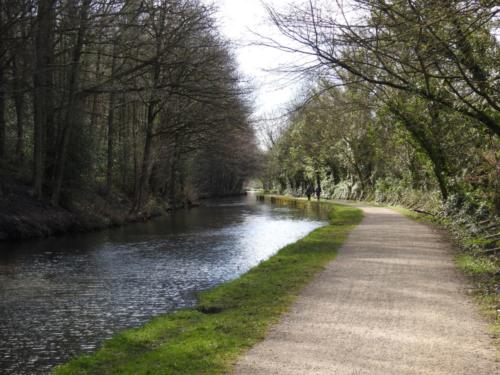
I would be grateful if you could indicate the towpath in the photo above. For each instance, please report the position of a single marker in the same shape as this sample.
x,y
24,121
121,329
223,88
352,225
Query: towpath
x,y
391,303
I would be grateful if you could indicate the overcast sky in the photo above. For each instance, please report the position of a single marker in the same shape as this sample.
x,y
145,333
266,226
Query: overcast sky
x,y
238,20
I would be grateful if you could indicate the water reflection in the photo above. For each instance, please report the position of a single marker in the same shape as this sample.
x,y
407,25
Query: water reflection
x,y
63,296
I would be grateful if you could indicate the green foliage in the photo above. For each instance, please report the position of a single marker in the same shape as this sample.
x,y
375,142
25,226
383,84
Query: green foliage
x,y
228,319
417,117
396,192
398,149
476,265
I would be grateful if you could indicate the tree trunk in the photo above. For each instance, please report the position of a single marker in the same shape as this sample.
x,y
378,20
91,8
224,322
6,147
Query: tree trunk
x,y
2,88
20,65
42,95
173,176
72,102
124,140
111,112
2,113
136,148
20,108
95,112
438,164
109,164
19,104
143,183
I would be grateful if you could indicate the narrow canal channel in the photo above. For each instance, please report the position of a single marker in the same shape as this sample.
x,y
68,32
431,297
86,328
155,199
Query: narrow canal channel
x,y
63,296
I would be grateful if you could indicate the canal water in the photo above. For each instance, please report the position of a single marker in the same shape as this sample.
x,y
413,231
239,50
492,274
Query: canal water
x,y
63,296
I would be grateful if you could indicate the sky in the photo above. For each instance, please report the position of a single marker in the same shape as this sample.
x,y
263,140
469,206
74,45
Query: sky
x,y
238,21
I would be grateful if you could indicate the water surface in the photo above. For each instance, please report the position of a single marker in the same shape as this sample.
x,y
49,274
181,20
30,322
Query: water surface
x,y
63,296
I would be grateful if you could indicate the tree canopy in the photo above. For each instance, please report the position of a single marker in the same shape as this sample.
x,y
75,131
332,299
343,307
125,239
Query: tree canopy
x,y
405,104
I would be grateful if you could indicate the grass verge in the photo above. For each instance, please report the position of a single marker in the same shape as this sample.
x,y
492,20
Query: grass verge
x,y
227,320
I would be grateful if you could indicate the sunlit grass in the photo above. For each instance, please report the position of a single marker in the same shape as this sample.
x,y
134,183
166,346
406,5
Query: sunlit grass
x,y
228,319
476,265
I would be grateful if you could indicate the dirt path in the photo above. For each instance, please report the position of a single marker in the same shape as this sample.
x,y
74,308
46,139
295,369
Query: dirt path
x,y
391,303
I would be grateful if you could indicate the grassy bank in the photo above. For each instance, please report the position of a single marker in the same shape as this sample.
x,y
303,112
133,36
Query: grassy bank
x,y
228,319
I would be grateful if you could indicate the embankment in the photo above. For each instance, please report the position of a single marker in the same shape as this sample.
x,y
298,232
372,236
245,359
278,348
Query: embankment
x,y
22,216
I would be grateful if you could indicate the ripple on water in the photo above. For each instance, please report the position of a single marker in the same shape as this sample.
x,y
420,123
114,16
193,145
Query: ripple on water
x,y
62,297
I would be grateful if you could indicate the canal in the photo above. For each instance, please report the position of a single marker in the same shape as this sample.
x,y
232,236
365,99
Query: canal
x,y
63,296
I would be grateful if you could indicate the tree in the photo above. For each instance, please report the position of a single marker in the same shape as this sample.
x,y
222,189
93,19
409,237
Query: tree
x,y
121,97
401,44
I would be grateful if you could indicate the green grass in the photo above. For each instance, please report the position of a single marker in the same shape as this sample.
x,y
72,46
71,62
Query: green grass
x,y
227,320
472,265
481,270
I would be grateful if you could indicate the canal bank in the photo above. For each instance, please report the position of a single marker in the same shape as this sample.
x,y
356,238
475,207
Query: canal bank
x,y
62,296
227,320
23,216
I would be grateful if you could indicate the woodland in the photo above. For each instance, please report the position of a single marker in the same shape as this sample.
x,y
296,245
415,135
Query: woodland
x,y
126,107
117,111
116,108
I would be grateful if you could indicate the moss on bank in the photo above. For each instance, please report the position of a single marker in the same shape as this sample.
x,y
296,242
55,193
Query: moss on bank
x,y
228,319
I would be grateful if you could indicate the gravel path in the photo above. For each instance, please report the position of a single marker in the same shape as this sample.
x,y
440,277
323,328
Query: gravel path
x,y
391,303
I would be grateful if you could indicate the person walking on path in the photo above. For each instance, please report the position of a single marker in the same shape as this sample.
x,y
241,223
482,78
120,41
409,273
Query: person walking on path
x,y
318,192
309,192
